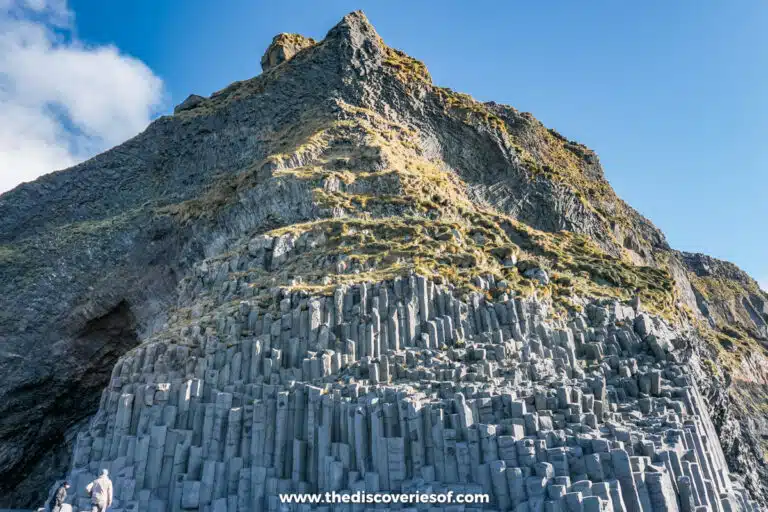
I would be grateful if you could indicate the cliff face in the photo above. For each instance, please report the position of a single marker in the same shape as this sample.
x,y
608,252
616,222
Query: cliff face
x,y
337,192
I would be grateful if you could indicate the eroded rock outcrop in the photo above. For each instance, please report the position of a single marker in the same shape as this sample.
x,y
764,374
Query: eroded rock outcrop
x,y
283,47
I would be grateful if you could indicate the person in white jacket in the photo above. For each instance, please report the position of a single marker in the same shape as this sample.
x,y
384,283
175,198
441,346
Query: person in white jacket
x,y
100,491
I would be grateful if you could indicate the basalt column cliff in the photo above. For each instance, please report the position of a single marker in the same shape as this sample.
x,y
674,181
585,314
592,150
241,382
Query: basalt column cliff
x,y
339,276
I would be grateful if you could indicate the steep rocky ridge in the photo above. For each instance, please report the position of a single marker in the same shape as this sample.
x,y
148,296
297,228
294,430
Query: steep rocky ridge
x,y
345,141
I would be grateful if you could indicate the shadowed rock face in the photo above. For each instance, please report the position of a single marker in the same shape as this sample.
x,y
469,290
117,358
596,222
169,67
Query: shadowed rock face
x,y
728,296
67,392
349,135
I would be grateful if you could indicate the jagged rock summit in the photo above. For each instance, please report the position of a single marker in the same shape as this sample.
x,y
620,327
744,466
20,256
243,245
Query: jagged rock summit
x,y
337,275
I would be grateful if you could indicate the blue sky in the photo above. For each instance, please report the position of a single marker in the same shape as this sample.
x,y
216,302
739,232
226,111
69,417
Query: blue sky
x,y
673,96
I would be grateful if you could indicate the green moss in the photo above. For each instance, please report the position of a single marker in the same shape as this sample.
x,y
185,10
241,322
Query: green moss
x,y
383,248
406,68
468,109
7,255
293,39
711,367
714,288
426,222
31,259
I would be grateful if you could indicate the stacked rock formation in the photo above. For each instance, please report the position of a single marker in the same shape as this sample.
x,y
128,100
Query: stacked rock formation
x,y
339,276
401,387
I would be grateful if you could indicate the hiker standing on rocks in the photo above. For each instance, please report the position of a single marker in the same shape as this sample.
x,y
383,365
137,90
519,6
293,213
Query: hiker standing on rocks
x,y
59,497
100,491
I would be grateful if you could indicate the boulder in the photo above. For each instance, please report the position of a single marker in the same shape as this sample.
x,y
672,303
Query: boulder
x,y
537,274
191,102
283,48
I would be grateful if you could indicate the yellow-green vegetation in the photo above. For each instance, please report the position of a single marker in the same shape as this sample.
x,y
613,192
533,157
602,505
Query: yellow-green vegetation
x,y
6,254
384,248
91,227
578,265
468,108
406,68
295,40
542,151
313,150
730,345
32,259
591,271
297,140
545,152
393,211
714,288
402,212
732,337
751,397
238,90
711,367
222,193
742,359
565,162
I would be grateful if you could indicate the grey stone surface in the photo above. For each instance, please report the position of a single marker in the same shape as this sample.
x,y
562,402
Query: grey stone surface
x,y
215,301
473,413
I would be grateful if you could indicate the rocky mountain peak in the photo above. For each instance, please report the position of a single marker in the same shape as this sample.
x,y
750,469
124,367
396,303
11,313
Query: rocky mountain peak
x,y
353,39
355,26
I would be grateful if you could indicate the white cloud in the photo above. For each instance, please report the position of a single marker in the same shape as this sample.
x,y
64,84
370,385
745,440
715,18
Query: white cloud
x,y
62,101
763,284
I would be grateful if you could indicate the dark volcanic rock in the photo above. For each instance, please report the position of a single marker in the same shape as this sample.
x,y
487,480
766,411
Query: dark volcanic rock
x,y
371,172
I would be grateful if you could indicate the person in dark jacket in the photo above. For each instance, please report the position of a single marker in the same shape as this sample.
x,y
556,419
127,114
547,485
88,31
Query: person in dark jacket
x,y
59,497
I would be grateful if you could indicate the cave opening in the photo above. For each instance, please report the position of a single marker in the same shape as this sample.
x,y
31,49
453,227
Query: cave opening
x,y
63,400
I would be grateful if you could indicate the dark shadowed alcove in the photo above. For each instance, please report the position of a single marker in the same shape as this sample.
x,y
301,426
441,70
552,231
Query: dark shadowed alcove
x,y
61,406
